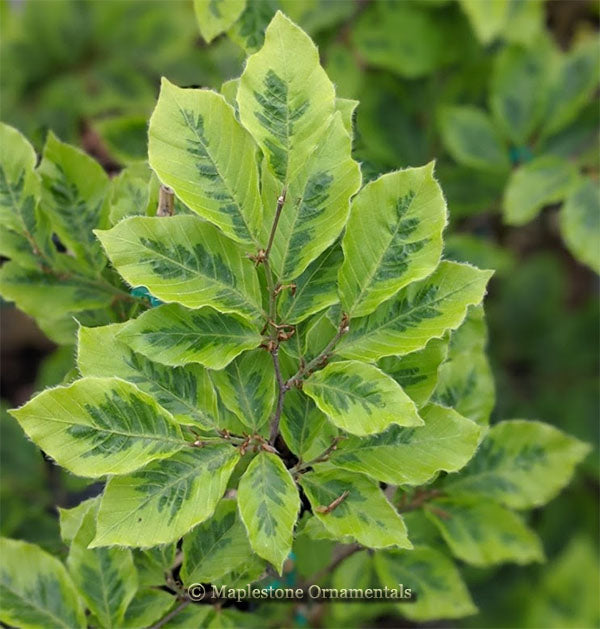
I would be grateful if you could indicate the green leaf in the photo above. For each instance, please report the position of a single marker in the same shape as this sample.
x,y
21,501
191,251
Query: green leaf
x,y
574,81
580,223
199,149
147,607
484,533
347,107
417,373
19,194
186,392
130,193
153,563
360,398
216,16
71,519
317,203
36,590
176,336
285,98
182,259
551,603
420,312
316,288
543,181
472,139
247,387
269,503
488,18
521,464
302,422
412,456
74,196
465,380
400,37
249,31
99,426
191,616
393,237
466,383
105,577
216,547
518,91
433,579
164,500
42,295
364,513
125,137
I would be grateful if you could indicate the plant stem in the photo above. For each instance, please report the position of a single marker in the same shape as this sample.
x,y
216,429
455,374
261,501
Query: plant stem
x,y
280,203
282,388
307,369
171,614
318,459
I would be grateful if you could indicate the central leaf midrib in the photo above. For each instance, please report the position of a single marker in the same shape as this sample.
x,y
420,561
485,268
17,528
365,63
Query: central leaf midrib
x,y
344,391
419,306
371,275
162,490
213,280
221,177
149,437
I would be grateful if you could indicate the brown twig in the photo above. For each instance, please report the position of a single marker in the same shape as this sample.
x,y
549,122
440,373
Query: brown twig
x,y
166,201
330,507
280,204
322,358
324,456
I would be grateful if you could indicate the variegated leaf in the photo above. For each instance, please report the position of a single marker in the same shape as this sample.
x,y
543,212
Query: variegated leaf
x,y
147,608
186,392
316,205
412,456
315,289
393,237
106,577
417,373
216,547
483,533
247,387
436,583
285,97
521,464
302,423
36,590
184,260
164,500
362,511
23,236
360,398
75,198
420,312
199,149
174,335
269,503
99,426
216,16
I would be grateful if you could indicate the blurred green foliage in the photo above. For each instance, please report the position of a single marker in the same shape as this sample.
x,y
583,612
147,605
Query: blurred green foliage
x,y
502,93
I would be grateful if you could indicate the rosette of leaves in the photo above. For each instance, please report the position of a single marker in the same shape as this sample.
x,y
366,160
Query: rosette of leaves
x,y
316,376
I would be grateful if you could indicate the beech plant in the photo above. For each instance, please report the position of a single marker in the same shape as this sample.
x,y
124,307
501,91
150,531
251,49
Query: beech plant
x,y
278,372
